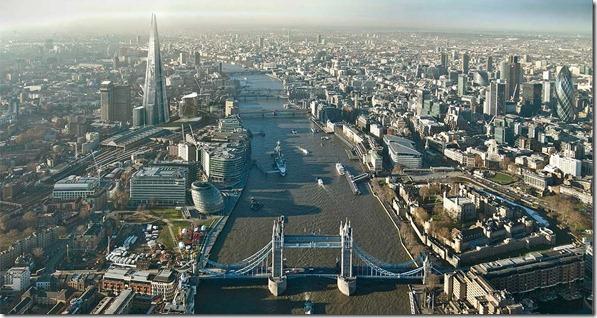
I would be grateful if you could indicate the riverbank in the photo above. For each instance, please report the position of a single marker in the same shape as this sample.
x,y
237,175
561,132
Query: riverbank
x,y
309,208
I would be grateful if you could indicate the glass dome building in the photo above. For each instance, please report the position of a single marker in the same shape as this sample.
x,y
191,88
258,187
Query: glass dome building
x,y
206,197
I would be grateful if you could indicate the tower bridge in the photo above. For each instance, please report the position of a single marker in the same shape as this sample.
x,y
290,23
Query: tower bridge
x,y
354,262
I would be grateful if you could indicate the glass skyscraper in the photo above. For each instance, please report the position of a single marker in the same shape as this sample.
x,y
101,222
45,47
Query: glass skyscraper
x,y
155,102
564,95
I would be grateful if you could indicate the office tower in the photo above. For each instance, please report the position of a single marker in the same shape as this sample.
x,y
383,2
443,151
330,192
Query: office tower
x,y
231,107
260,42
115,102
511,72
462,84
564,95
154,90
159,186
14,106
465,61
197,58
495,99
531,92
547,91
489,64
138,40
444,59
422,96
139,116
481,78
189,105
319,39
106,103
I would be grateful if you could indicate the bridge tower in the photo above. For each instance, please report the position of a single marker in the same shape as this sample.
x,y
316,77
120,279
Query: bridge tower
x,y
346,281
277,281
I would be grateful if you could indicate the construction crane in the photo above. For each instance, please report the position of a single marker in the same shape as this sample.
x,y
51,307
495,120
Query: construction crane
x,y
514,93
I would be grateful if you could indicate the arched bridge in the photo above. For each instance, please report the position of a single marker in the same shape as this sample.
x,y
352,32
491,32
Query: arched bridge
x,y
354,262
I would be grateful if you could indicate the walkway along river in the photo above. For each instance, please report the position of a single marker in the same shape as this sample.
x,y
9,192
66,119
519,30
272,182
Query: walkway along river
x,y
309,208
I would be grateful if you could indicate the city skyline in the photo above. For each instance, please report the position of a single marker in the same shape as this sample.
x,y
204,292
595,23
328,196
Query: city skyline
x,y
414,156
562,17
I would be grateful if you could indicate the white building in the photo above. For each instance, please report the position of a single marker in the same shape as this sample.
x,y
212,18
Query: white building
x,y
569,166
374,161
187,151
17,278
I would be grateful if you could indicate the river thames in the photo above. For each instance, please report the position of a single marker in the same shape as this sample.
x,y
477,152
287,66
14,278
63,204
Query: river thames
x,y
309,208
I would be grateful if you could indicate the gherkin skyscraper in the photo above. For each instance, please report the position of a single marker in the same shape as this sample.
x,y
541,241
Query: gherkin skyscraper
x,y
155,102
564,95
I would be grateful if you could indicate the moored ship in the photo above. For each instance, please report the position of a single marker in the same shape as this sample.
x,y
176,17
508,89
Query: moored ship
x,y
279,161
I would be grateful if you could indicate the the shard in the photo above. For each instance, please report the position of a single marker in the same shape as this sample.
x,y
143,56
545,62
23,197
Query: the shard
x,y
155,102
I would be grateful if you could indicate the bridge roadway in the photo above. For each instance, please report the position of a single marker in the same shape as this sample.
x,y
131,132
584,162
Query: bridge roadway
x,y
312,241
268,113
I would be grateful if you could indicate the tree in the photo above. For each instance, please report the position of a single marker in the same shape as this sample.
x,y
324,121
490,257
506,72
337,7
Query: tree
x,y
38,252
424,192
121,199
505,163
29,218
421,215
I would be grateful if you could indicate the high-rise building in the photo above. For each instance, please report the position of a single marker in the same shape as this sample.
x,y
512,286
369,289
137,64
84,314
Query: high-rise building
x,y
547,91
422,96
531,93
489,64
197,58
564,95
139,116
444,59
155,101
260,42
188,106
318,38
465,63
14,106
231,107
115,102
495,99
511,72
462,84
106,97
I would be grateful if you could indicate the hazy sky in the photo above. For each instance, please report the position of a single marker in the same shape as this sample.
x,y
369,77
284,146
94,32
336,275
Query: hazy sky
x,y
563,16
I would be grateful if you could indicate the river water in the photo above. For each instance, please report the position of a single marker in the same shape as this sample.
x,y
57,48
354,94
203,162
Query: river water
x,y
309,208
